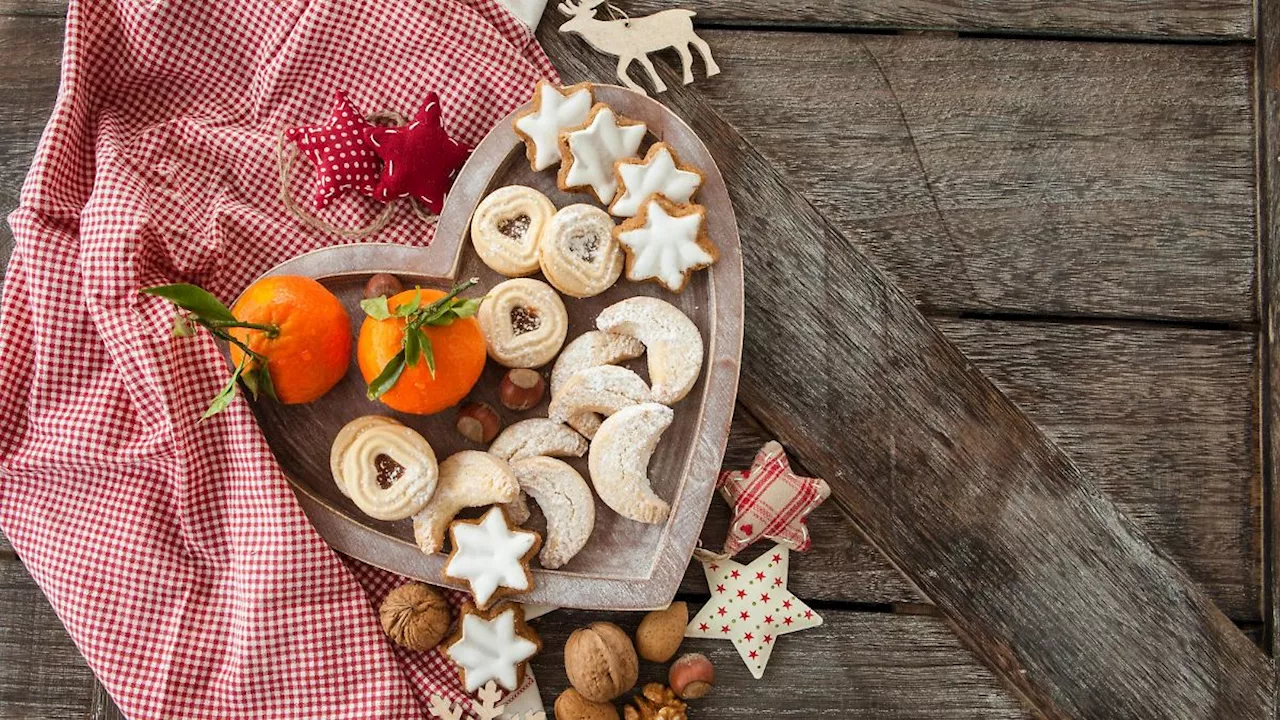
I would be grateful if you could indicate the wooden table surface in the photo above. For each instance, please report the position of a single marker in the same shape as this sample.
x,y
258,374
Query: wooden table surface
x,y
1069,191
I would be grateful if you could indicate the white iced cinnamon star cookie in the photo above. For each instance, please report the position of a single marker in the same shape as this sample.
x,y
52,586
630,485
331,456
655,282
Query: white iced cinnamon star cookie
x,y
491,557
524,323
589,151
492,645
604,389
666,242
538,436
660,172
388,470
566,502
589,350
579,254
469,478
619,461
507,228
671,339
554,109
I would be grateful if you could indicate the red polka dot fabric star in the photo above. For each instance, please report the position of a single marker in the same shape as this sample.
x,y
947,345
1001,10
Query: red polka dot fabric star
x,y
420,160
343,157
174,550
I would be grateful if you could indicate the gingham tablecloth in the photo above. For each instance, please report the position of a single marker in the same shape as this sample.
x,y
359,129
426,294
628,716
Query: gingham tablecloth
x,y
172,549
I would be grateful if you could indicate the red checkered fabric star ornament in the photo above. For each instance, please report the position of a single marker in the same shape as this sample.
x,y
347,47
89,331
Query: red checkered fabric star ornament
x,y
420,159
770,501
340,151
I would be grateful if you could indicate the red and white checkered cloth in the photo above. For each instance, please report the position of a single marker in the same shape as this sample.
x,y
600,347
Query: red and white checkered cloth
x,y
172,549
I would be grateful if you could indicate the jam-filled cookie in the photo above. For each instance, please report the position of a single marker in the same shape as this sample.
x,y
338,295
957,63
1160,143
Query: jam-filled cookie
x,y
579,254
507,229
588,152
388,470
554,109
524,323
666,242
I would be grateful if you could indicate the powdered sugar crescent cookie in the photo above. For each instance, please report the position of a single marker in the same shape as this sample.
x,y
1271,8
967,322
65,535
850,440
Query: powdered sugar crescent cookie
x,y
538,436
660,172
666,242
589,350
589,151
492,645
491,556
388,470
524,323
566,502
604,389
619,461
554,109
579,254
507,228
670,338
469,478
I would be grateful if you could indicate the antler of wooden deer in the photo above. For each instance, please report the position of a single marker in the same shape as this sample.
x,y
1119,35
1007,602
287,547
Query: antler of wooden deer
x,y
584,7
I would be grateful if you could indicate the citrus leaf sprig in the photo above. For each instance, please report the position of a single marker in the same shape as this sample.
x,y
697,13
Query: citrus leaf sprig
x,y
416,345
202,309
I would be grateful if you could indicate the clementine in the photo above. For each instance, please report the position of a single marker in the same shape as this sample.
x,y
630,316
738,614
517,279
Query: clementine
x,y
459,353
312,350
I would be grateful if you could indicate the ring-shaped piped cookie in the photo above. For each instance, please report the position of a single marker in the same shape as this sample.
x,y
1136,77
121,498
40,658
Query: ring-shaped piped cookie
x,y
579,254
388,470
524,323
507,229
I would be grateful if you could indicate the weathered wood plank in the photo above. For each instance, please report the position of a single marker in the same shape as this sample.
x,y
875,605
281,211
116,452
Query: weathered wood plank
x,y
1063,178
855,665
30,50
997,527
41,673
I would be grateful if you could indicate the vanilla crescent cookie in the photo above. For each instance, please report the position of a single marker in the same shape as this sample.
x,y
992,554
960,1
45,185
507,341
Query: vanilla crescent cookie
x,y
469,478
579,254
670,338
589,350
554,109
507,228
603,389
659,172
388,470
619,461
566,502
524,323
538,436
589,151
666,242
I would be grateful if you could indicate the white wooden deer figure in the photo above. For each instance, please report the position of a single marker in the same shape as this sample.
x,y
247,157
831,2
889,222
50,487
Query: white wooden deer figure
x,y
633,39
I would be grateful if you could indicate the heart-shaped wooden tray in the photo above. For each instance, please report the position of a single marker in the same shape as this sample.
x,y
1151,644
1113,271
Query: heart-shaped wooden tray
x,y
625,565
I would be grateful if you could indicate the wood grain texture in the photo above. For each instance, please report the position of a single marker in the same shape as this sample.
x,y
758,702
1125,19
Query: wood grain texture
x,y
1013,543
42,674
30,50
1060,178
877,666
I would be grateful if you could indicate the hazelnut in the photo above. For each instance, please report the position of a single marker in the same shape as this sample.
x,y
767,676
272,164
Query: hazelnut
x,y
478,423
415,616
661,632
382,284
572,706
521,389
692,676
601,662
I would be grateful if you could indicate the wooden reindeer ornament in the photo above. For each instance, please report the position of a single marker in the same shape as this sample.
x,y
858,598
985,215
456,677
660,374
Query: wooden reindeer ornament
x,y
631,39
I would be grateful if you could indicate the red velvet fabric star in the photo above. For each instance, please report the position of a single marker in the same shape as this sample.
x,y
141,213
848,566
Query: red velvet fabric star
x,y
343,157
420,159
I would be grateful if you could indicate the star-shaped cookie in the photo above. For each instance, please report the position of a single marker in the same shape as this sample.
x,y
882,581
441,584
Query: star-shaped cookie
x,y
492,645
770,501
659,172
343,158
554,109
751,606
589,151
421,160
666,242
491,557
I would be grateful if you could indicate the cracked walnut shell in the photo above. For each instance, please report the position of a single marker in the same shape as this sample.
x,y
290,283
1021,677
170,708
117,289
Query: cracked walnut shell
x,y
415,617
656,702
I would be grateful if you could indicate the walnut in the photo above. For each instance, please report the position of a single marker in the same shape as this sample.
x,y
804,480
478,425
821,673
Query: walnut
x,y
600,661
415,616
656,702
